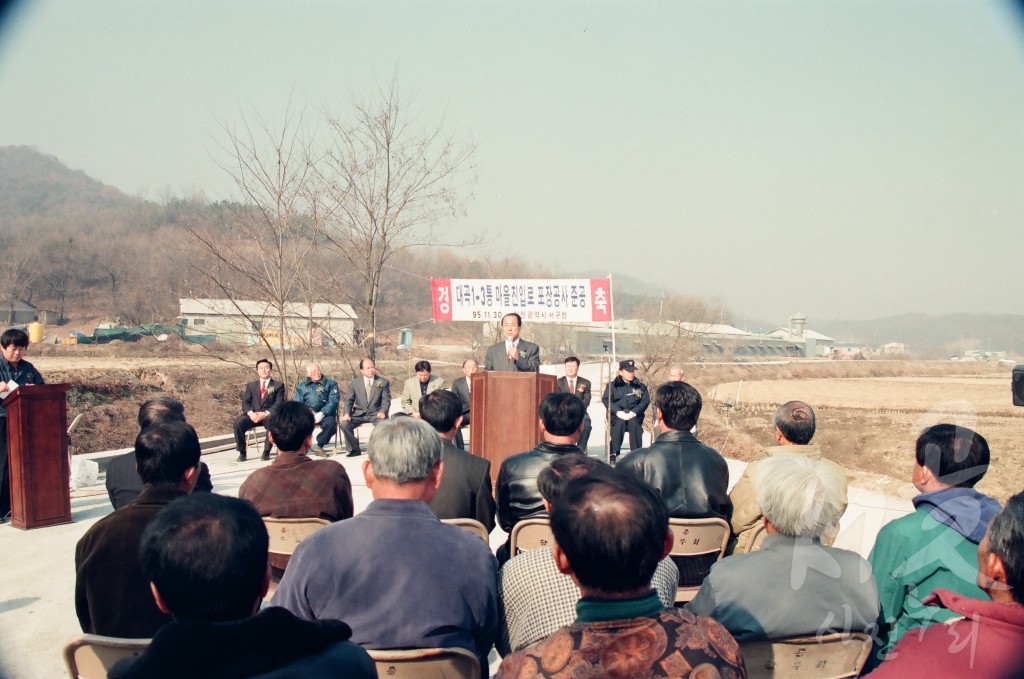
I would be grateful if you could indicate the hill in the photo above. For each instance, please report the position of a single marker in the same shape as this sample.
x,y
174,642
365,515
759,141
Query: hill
x,y
33,185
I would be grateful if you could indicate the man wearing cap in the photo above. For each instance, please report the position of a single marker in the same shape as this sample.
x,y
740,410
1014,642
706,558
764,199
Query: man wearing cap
x,y
513,354
626,399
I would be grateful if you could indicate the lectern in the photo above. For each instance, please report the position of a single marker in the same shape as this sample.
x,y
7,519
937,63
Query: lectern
x,y
504,407
37,445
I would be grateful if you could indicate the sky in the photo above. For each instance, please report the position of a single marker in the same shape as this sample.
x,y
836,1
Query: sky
x,y
847,160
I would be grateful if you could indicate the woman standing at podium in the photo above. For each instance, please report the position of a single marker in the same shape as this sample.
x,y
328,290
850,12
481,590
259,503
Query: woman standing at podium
x,y
13,345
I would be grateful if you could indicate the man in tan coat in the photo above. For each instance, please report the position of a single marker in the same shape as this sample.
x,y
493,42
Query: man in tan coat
x,y
794,429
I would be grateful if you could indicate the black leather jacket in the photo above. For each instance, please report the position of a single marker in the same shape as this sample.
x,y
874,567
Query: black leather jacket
x,y
518,497
692,477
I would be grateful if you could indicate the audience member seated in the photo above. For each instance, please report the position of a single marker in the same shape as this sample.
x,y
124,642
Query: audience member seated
x,y
561,421
794,585
986,639
536,599
611,531
465,490
418,386
123,481
394,572
111,592
296,486
258,398
794,428
320,393
368,401
462,387
936,546
206,557
692,477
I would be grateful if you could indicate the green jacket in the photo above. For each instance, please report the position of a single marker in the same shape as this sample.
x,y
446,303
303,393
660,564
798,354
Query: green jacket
x,y
912,557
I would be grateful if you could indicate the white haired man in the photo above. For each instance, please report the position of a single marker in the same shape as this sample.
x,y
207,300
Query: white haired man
x,y
830,589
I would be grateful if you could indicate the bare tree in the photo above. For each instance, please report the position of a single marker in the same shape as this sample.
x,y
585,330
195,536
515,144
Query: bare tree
x,y
392,185
262,247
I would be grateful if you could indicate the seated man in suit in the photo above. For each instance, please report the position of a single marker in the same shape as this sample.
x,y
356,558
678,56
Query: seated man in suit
x,y
320,393
793,586
112,595
513,354
123,481
572,383
258,397
206,557
295,486
465,490
368,400
461,387
417,387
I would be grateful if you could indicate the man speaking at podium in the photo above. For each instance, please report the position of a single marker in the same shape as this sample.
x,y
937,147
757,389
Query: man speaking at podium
x,y
514,354
13,344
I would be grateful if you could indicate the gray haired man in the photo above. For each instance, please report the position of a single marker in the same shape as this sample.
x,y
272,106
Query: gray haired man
x,y
368,569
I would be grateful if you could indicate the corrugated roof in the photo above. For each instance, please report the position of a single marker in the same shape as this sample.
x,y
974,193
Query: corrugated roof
x,y
253,309
784,333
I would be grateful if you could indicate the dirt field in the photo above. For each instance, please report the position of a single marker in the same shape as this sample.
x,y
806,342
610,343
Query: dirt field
x,y
869,412
870,424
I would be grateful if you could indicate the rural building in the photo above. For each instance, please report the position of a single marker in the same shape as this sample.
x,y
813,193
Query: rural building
x,y
711,341
813,343
17,312
244,322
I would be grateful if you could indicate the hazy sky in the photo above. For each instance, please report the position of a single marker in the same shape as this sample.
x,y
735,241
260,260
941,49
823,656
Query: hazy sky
x,y
844,159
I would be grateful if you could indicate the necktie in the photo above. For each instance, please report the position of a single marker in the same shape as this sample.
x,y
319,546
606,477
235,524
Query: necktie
x,y
572,386
263,388
368,383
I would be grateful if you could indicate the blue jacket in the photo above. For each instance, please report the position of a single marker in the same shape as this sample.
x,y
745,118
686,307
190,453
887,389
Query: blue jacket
x,y
321,396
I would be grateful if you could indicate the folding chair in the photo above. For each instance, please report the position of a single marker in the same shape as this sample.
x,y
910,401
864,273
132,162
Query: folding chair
x,y
700,542
472,525
285,535
252,439
530,534
426,663
90,656
829,656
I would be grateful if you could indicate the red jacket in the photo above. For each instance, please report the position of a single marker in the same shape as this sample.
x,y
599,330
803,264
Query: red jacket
x,y
987,643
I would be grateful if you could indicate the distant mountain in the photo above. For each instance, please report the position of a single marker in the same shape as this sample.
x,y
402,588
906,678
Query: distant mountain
x,y
950,333
33,184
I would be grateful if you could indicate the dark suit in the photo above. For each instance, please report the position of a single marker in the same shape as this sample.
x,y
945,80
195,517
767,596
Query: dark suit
x,y
465,490
251,401
583,393
460,388
363,407
124,483
496,358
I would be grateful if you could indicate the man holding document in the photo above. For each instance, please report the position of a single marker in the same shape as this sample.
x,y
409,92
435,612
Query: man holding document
x,y
14,372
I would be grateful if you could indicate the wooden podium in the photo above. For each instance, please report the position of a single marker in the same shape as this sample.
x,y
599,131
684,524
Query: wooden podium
x,y
504,407
37,454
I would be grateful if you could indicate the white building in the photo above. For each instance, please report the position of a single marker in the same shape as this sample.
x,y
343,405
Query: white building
x,y
243,322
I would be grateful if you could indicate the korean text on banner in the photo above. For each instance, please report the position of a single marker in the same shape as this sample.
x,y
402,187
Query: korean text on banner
x,y
536,300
